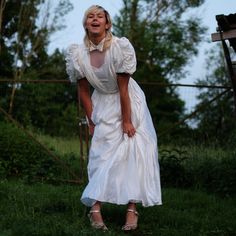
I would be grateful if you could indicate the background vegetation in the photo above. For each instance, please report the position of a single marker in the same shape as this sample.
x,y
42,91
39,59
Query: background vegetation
x,y
198,185
165,42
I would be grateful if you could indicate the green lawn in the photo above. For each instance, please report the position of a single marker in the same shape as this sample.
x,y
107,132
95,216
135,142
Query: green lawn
x,y
61,145
44,209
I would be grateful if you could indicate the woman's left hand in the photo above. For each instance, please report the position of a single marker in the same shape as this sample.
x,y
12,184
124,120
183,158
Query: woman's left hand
x,y
129,129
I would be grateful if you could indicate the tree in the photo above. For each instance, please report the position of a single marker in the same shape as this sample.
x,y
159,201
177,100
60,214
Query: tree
x,y
164,40
2,7
217,121
49,108
25,29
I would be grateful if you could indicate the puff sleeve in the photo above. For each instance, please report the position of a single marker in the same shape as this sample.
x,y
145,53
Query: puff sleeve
x,y
72,66
125,57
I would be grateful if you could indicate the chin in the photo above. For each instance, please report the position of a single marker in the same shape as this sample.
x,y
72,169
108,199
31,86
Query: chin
x,y
96,33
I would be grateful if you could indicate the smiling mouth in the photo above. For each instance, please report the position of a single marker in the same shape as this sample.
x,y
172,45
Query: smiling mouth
x,y
95,25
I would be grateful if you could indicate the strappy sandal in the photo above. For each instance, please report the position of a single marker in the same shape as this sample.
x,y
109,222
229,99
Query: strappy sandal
x,y
94,224
131,227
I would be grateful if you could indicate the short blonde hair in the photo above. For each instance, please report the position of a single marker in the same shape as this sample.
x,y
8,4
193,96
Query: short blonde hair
x,y
108,39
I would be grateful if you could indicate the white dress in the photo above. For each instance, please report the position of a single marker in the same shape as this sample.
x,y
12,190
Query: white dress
x,y
120,169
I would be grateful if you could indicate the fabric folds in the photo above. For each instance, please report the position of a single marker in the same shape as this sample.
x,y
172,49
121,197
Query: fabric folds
x,y
72,66
120,169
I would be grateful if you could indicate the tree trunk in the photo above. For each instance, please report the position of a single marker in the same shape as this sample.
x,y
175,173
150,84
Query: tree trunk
x,y
2,7
133,20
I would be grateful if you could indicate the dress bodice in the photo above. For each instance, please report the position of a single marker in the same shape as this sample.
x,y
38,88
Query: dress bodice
x,y
105,76
119,58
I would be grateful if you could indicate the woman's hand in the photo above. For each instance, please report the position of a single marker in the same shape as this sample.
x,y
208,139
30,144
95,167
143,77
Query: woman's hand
x,y
129,129
91,128
123,82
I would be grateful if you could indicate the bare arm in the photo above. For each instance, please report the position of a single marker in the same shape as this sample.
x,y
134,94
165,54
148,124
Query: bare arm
x,y
123,81
84,96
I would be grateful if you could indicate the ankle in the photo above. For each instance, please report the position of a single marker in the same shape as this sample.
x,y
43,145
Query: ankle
x,y
96,207
132,206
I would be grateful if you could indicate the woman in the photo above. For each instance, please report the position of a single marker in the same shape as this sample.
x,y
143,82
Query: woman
x,y
123,163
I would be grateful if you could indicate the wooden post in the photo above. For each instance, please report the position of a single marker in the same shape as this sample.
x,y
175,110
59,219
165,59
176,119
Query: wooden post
x,y
80,126
232,71
227,31
234,82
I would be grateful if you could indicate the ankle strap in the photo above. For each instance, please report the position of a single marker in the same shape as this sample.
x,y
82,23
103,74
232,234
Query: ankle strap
x,y
131,210
94,211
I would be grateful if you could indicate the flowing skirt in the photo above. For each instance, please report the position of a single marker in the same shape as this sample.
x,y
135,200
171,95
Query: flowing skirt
x,y
122,169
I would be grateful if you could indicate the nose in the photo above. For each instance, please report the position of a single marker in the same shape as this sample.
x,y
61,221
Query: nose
x,y
95,16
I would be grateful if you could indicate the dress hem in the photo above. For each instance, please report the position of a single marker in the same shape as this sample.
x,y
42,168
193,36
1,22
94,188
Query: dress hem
x,y
93,201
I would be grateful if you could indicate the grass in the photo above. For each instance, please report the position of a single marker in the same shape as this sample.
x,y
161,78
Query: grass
x,y
69,151
43,209
46,209
199,152
61,145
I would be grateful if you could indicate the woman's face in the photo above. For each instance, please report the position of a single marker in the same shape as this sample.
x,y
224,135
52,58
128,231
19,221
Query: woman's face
x,y
96,24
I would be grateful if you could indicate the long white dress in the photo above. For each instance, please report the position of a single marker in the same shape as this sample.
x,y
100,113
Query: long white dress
x,y
120,169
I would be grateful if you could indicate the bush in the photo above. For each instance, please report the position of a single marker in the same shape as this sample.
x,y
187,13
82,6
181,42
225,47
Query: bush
x,y
210,170
173,171
22,157
216,175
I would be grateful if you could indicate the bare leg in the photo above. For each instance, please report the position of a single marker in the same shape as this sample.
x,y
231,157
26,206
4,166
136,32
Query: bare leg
x,y
131,217
96,216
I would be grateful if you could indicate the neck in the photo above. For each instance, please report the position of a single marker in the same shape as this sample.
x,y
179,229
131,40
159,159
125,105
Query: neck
x,y
96,39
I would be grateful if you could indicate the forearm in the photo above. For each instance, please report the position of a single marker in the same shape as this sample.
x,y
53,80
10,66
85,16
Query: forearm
x,y
87,105
84,97
123,81
123,84
125,106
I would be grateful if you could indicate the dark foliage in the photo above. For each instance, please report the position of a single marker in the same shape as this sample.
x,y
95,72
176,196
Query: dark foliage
x,y
216,123
209,174
164,43
21,157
